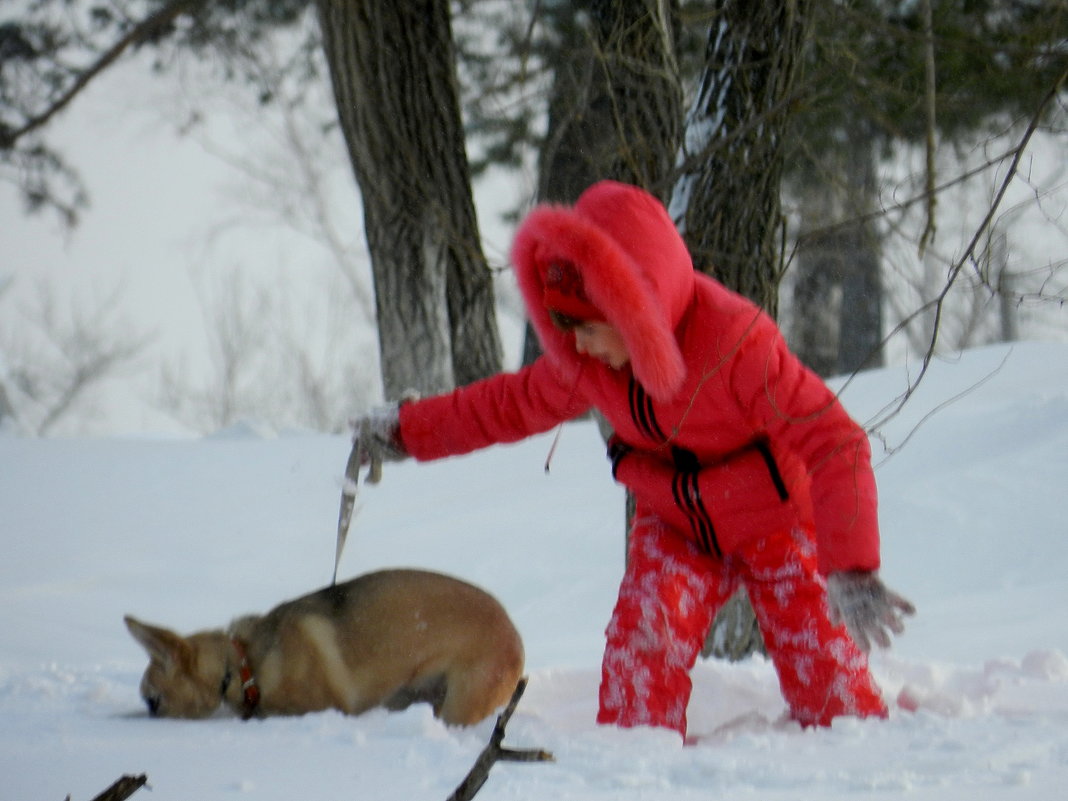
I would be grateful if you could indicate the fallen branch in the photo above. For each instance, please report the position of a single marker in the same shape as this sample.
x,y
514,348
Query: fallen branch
x,y
122,789
495,752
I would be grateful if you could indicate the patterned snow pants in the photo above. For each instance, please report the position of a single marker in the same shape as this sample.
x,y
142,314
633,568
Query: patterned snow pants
x,y
671,592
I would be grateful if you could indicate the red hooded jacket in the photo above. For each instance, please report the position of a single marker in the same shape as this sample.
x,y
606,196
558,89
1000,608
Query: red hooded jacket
x,y
709,377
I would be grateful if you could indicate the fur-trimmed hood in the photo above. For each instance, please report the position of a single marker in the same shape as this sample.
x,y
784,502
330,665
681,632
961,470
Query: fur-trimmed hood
x,y
634,268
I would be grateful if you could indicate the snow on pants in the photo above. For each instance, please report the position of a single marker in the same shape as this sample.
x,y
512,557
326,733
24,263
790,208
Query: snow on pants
x,y
670,594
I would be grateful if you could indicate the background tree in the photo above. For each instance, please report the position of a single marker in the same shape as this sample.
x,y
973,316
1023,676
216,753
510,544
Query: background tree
x,y
56,352
878,74
393,72
727,196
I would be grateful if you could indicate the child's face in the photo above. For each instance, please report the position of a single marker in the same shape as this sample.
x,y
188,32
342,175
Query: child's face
x,y
602,342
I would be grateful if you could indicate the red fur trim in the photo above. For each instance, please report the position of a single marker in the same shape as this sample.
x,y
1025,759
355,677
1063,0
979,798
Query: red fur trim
x,y
615,284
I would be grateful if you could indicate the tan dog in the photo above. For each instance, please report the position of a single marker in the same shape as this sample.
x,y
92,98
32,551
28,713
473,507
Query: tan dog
x,y
388,638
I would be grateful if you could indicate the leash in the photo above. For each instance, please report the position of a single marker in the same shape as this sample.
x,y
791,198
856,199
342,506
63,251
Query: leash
x,y
358,456
348,499
560,428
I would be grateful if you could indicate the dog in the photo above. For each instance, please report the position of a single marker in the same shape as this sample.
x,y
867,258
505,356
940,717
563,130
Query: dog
x,y
389,639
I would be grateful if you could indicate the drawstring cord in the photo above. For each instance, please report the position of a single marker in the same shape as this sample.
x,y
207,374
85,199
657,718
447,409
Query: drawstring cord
x,y
552,448
560,428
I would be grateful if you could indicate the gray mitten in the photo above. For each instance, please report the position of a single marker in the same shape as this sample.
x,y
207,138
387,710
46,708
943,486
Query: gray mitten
x,y
860,600
376,439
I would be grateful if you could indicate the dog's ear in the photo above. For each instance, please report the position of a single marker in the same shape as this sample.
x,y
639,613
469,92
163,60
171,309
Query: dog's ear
x,y
162,644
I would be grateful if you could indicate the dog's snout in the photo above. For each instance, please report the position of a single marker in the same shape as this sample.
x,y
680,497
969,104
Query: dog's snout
x,y
152,702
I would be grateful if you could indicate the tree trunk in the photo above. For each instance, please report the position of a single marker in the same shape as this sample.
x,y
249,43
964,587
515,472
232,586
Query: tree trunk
x,y
616,100
642,108
735,633
576,149
837,326
860,326
575,152
838,298
726,200
393,72
1002,280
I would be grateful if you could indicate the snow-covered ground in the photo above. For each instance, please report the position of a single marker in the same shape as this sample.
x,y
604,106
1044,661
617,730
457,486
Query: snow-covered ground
x,y
189,533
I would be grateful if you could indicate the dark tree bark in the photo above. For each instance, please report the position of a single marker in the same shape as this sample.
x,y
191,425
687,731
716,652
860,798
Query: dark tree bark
x,y
615,110
393,71
576,152
616,101
838,302
635,45
727,201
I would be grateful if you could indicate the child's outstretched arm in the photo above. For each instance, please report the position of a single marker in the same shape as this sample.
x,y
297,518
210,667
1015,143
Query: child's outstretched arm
x,y
506,407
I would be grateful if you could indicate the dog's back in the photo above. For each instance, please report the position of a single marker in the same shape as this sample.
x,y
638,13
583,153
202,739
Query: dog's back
x,y
387,638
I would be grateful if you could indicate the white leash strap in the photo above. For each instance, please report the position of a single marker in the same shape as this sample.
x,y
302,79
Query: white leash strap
x,y
359,456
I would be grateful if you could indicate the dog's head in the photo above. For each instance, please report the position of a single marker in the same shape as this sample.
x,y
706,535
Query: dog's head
x,y
186,676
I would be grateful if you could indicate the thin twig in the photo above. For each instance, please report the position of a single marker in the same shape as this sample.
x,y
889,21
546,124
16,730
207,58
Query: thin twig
x,y
930,92
937,304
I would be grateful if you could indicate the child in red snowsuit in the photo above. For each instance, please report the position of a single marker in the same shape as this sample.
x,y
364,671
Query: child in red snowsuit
x,y
746,470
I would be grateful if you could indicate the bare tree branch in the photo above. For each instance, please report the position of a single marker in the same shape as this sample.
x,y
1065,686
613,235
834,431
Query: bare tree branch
x,y
937,304
143,31
62,353
930,96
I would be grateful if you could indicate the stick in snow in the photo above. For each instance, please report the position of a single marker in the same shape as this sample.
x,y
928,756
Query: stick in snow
x,y
122,789
494,752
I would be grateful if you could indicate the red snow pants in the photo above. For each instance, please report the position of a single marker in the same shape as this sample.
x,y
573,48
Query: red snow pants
x,y
670,593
